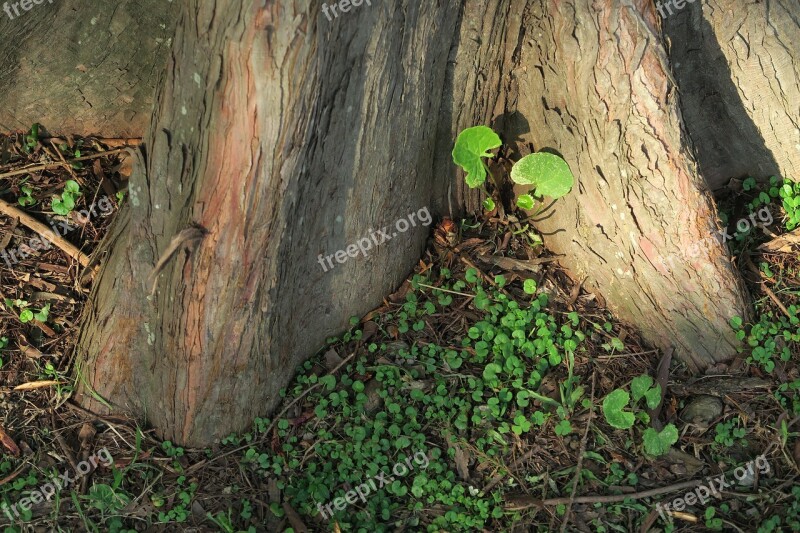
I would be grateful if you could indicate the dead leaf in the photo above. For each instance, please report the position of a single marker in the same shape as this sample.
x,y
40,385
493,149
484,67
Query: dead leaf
x,y
125,166
98,169
294,518
30,351
9,443
31,385
86,433
370,328
782,243
462,463
332,359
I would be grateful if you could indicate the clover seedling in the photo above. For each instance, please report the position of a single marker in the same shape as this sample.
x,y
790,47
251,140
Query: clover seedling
x,y
32,138
642,387
613,409
66,202
26,199
655,443
658,443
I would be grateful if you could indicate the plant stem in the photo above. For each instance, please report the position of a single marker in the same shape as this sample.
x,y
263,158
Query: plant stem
x,y
491,176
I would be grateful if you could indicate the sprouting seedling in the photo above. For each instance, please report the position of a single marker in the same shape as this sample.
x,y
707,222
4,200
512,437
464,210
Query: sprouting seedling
x,y
65,203
472,146
615,406
32,138
25,313
27,198
547,173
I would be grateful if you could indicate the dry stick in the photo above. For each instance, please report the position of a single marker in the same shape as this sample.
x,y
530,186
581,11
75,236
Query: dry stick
x,y
766,289
277,417
110,141
65,165
59,163
614,498
578,468
52,236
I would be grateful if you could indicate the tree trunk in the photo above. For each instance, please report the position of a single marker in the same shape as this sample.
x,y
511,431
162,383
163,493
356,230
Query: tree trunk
x,y
280,135
738,66
83,68
639,227
284,136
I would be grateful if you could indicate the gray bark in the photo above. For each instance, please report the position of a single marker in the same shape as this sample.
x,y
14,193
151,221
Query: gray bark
x,y
83,68
738,66
639,227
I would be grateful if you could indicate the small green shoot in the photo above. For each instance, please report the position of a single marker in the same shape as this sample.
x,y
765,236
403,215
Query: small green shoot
x,y
62,205
27,198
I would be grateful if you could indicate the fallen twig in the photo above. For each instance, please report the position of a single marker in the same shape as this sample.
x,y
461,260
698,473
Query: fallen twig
x,y
526,501
766,289
57,164
45,231
578,468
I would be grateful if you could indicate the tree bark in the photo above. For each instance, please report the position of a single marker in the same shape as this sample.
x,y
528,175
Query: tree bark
x,y
280,135
594,85
83,68
284,136
738,66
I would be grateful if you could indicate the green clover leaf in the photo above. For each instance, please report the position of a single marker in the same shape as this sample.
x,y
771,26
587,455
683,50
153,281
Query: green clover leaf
x,y
658,443
613,406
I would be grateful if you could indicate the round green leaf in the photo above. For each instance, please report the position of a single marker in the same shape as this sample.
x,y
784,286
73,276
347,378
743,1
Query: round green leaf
x,y
529,286
613,406
656,443
548,173
525,201
640,385
471,145
488,204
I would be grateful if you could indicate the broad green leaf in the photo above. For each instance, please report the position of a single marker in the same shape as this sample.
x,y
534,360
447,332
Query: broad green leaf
x,y
72,186
26,315
653,397
491,371
43,313
656,443
640,385
548,173
525,201
471,145
613,406
59,208
488,204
